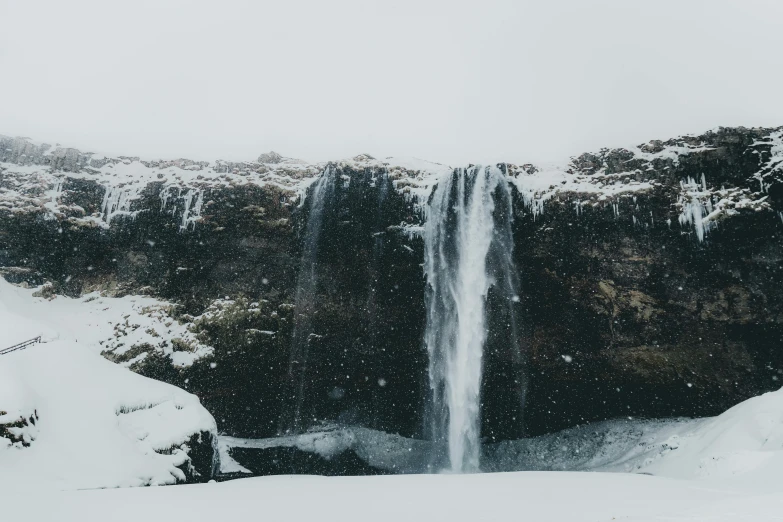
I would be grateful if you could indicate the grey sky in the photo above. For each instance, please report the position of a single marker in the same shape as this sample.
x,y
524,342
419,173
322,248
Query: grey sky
x,y
449,81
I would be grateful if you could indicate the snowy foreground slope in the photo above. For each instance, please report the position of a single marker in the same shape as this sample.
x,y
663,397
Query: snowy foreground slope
x,y
533,496
70,419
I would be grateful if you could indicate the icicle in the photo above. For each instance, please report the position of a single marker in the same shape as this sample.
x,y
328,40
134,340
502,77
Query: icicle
x,y
532,202
187,219
164,198
694,211
199,204
55,193
116,201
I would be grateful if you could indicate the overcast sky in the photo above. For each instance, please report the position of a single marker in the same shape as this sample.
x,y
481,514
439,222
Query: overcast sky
x,y
450,81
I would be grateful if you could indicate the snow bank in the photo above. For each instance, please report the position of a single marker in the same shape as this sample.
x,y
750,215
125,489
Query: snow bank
x,y
79,421
746,441
99,425
18,415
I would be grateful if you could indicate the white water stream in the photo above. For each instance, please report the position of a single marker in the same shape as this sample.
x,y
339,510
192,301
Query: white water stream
x,y
305,306
459,234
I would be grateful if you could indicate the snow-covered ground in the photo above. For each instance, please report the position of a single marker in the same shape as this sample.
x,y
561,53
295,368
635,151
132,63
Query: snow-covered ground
x,y
75,420
533,496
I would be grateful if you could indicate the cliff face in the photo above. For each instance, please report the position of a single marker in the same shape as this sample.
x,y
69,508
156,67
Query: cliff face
x,y
650,277
666,302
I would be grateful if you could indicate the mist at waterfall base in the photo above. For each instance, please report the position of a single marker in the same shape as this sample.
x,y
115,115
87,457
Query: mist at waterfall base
x,y
471,309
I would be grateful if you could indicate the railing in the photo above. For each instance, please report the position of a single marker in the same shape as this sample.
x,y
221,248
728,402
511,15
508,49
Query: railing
x,y
20,346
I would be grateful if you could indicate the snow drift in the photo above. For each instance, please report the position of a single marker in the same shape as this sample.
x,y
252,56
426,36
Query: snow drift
x,y
69,419
744,442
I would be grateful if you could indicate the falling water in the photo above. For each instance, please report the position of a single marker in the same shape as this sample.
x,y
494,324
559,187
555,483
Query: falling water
x,y
383,183
466,253
305,306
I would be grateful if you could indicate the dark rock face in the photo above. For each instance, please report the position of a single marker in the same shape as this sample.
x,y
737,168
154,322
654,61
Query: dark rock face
x,y
365,363
626,311
203,464
653,322
239,227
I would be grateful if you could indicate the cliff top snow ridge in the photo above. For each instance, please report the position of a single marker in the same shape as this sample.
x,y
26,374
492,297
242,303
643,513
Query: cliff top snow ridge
x,y
747,162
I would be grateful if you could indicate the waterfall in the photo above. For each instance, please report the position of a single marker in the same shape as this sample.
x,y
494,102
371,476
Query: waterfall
x,y
305,306
383,182
468,248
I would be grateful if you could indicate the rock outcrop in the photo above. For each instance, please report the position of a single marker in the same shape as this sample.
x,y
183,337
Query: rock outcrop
x,y
17,431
